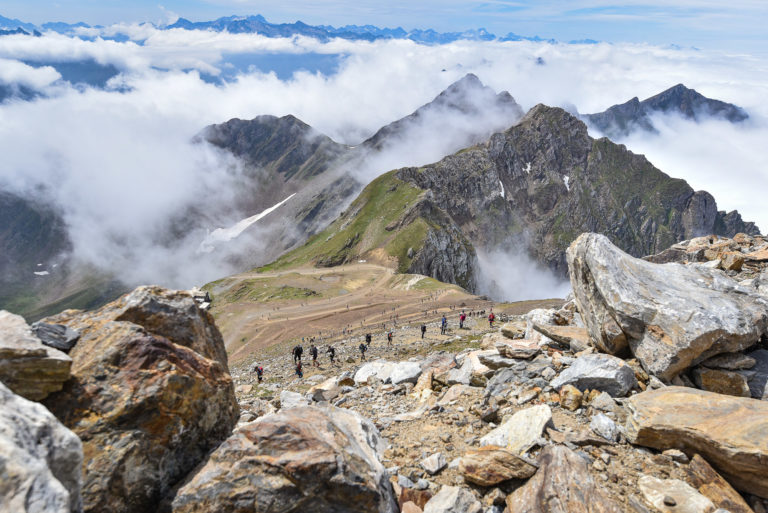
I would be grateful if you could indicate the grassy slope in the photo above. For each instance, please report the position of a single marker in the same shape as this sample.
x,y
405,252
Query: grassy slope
x,y
362,228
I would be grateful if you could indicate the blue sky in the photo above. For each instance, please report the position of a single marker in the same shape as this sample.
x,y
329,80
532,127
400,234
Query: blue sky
x,y
737,25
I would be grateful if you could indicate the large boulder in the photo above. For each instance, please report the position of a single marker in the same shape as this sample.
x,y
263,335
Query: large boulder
x,y
561,485
598,372
380,369
147,409
27,366
405,372
40,459
307,459
670,316
729,432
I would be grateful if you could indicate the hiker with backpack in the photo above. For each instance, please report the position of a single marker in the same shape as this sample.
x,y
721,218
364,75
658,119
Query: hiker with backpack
x,y
313,352
443,325
259,372
331,353
362,348
423,330
299,371
462,318
297,352
389,338
491,318
367,340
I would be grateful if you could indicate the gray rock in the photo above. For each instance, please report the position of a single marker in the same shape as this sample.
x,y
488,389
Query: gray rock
x,y
40,460
521,431
434,464
57,336
598,372
496,361
290,399
673,495
670,316
603,402
548,373
605,427
404,482
730,361
460,375
757,376
405,372
453,499
380,369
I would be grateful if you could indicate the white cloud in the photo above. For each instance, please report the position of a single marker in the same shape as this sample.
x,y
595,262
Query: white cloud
x,y
15,72
121,164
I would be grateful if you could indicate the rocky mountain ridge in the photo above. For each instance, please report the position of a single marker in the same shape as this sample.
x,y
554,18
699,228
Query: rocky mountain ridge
x,y
537,185
619,121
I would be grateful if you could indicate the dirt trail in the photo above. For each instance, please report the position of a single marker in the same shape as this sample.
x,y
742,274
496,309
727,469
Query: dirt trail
x,y
331,303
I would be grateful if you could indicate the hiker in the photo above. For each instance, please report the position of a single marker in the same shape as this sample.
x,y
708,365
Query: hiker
x,y
299,372
389,338
491,318
259,372
462,318
331,353
313,352
443,325
362,348
297,352
367,339
423,330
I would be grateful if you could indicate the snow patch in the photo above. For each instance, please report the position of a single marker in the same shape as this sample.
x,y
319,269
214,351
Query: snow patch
x,y
502,189
227,234
567,179
42,273
528,168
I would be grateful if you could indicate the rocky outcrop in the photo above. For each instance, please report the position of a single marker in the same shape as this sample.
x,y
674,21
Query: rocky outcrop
x,y
728,431
147,407
561,485
309,459
28,367
711,485
670,316
40,460
621,120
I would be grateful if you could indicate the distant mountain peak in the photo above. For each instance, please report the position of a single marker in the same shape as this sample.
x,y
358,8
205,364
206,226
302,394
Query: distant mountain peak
x,y
620,120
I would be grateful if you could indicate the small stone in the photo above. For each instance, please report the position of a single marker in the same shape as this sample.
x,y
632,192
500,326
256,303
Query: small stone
x,y
570,397
434,463
669,501
676,455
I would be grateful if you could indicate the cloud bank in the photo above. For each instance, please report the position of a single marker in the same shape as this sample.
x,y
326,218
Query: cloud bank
x,y
119,162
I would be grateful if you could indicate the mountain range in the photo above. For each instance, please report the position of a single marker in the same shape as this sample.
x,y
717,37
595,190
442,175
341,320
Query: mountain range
x,y
258,24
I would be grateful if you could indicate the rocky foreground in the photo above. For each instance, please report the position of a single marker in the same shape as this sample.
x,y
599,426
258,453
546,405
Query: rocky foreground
x,y
645,392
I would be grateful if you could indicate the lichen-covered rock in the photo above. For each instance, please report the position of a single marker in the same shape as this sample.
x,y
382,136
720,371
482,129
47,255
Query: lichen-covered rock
x,y
730,432
147,409
307,459
561,485
27,366
721,381
672,316
40,459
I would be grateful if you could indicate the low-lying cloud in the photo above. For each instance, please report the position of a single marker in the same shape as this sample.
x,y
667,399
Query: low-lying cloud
x,y
120,164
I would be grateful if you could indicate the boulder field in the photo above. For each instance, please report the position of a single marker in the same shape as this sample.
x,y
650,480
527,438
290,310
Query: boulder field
x,y
645,392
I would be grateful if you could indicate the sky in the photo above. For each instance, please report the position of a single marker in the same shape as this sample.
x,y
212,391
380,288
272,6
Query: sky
x,y
736,26
121,164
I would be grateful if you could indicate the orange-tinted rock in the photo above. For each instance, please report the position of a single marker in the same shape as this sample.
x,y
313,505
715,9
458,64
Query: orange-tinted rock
x,y
711,485
731,433
491,465
308,458
561,485
147,410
